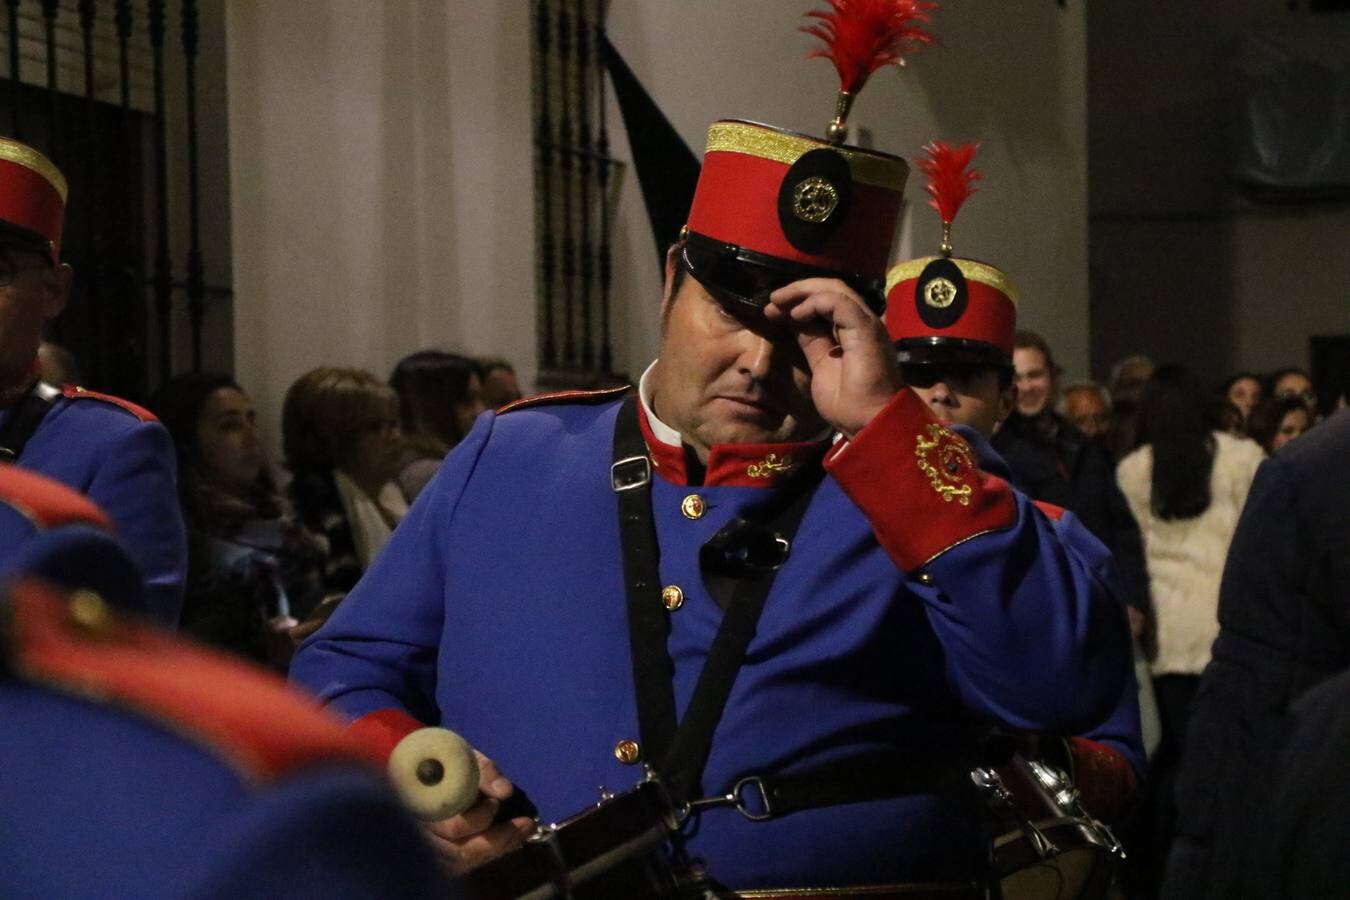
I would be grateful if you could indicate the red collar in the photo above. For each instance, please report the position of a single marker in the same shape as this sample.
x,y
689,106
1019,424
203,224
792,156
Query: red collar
x,y
732,465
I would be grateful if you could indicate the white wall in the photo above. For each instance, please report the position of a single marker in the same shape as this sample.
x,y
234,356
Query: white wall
x,y
382,194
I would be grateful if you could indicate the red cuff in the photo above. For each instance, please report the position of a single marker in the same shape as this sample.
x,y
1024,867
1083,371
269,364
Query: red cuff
x,y
381,730
1103,776
918,483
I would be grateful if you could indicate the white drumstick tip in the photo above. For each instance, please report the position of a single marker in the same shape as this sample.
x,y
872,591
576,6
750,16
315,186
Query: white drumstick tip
x,y
435,773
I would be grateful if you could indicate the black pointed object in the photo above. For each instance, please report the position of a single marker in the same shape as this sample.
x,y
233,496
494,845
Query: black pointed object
x,y
667,169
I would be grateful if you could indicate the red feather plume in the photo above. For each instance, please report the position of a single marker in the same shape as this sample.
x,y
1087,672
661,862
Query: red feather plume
x,y
948,181
861,36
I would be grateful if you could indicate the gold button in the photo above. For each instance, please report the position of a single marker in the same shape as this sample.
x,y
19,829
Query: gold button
x,y
925,578
672,597
89,613
693,507
627,752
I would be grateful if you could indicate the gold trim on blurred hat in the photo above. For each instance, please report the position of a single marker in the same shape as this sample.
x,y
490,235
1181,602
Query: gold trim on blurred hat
x,y
973,270
883,171
13,151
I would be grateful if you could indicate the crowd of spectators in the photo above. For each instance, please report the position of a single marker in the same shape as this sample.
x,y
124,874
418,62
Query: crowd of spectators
x,y
272,552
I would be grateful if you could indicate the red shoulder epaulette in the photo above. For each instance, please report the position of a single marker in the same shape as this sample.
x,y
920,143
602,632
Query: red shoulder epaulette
x,y
245,716
1052,512
47,503
72,392
597,396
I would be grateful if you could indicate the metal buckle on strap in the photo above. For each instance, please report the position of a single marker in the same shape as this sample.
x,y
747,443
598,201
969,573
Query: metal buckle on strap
x,y
755,804
630,473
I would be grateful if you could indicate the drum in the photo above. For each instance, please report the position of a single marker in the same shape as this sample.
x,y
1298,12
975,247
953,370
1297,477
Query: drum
x,y
1047,847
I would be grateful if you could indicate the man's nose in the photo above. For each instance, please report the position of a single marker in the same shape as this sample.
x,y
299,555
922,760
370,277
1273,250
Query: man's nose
x,y
943,395
757,355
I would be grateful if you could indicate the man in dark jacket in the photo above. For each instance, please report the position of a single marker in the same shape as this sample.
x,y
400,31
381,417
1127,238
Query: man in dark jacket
x,y
1054,462
1284,623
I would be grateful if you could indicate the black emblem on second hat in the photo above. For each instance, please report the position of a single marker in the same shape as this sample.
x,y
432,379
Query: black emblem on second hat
x,y
814,198
940,294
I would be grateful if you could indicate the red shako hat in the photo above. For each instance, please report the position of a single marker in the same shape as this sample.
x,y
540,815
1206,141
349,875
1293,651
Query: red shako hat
x,y
773,206
32,198
946,309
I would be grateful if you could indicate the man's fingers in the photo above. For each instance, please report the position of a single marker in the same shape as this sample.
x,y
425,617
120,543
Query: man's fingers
x,y
491,781
473,820
466,854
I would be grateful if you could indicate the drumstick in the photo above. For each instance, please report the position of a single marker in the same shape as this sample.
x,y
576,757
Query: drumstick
x,y
435,773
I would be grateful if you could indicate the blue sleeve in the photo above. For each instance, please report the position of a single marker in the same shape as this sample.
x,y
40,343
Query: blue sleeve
x,y
378,651
1121,728
135,482
1032,633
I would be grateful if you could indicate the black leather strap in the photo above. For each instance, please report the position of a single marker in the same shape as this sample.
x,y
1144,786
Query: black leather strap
x,y
678,754
683,765
648,620
24,420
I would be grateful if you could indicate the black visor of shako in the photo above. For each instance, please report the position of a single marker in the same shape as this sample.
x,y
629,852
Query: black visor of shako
x,y
743,279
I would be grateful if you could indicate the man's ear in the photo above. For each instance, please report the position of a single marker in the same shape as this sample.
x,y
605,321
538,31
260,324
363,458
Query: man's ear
x,y
56,286
667,289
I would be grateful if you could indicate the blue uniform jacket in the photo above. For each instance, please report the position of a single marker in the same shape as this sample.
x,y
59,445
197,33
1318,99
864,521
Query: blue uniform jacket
x,y
920,599
1120,730
126,465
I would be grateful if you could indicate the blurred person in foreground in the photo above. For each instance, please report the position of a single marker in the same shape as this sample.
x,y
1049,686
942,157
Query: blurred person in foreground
x,y
105,447
138,765
1283,635
637,521
440,395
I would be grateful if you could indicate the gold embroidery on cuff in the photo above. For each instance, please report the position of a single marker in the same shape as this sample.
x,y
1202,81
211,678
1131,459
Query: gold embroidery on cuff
x,y
947,461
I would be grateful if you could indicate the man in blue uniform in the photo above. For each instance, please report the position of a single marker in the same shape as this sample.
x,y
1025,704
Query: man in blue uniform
x,y
917,601
112,451
135,765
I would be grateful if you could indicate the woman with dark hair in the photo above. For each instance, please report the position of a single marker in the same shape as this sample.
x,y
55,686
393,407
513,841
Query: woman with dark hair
x,y
1244,391
252,569
440,395
340,433
1186,485
1277,421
